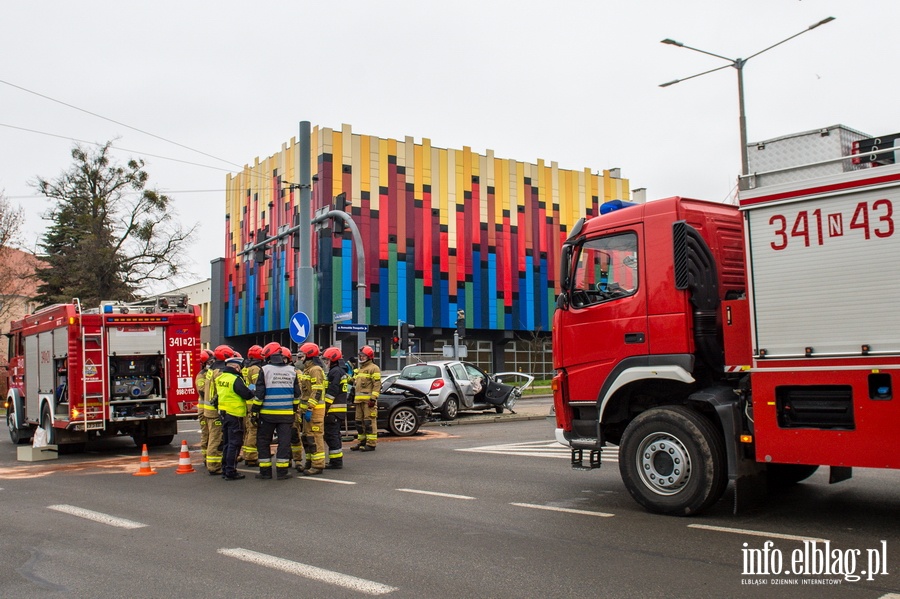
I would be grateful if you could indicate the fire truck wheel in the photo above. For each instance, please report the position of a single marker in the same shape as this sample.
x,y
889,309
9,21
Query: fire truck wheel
x,y
672,461
47,425
154,441
16,435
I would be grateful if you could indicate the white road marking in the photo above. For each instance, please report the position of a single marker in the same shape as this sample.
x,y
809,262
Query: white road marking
x,y
96,516
542,449
326,480
320,574
755,533
563,509
450,495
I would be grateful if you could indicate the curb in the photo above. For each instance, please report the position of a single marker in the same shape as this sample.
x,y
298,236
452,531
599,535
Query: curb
x,y
489,419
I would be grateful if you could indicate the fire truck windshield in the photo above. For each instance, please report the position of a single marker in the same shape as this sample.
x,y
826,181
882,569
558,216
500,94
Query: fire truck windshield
x,y
605,269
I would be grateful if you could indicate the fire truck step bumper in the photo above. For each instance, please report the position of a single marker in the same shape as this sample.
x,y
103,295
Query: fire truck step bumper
x,y
578,459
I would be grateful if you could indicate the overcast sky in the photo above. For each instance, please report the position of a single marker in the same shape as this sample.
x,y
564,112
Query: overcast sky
x,y
575,82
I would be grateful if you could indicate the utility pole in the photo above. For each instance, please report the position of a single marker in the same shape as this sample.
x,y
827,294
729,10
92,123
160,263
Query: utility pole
x,y
738,64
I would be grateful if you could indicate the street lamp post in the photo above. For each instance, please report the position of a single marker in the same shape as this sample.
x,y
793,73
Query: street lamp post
x,y
738,64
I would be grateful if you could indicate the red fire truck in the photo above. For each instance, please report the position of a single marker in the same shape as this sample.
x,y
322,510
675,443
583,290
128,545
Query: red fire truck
x,y
118,369
715,343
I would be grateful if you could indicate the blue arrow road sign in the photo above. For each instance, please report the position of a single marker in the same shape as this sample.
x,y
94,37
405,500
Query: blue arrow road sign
x,y
355,328
300,327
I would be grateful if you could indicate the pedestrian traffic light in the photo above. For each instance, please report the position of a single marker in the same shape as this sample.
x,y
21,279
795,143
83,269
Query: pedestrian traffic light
x,y
395,340
461,323
340,204
406,335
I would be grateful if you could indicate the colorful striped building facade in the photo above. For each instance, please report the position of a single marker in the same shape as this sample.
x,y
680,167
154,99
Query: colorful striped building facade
x,y
443,230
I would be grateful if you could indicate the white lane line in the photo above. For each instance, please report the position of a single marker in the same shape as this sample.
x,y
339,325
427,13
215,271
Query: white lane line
x,y
328,576
755,533
326,480
450,495
564,509
96,516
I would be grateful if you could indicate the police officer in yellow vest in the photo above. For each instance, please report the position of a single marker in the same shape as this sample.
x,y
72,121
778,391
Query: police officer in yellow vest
x,y
211,411
232,394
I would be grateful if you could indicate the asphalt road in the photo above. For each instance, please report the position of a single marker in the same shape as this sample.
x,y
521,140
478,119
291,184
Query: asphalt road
x,y
491,510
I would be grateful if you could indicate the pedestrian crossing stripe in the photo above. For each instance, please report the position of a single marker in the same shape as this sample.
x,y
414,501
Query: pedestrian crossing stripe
x,y
541,449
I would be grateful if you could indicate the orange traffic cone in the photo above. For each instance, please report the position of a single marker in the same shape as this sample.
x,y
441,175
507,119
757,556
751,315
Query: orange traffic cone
x,y
184,460
145,464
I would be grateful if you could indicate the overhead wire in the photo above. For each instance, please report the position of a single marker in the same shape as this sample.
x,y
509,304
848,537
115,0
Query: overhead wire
x,y
241,168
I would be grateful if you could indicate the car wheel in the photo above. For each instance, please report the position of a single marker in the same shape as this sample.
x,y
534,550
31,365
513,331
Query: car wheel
x,y
403,421
450,408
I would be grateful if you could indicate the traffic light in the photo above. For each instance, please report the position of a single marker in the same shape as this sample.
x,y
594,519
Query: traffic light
x,y
259,255
406,335
461,323
395,340
340,203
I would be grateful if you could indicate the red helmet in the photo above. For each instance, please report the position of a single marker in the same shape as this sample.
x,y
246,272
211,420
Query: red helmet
x,y
237,354
223,352
206,356
332,354
270,349
286,353
309,350
255,352
367,351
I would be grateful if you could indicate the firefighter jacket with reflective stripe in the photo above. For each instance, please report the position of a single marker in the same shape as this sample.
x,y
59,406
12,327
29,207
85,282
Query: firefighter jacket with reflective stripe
x,y
312,384
250,373
233,393
367,382
211,401
336,390
200,383
277,390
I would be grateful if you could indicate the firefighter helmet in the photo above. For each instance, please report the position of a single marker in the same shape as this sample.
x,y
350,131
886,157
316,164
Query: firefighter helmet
x,y
286,352
271,349
309,350
366,353
332,354
206,356
223,352
255,352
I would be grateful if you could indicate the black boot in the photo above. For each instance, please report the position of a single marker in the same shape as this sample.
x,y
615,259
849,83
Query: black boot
x,y
265,473
358,447
335,464
283,473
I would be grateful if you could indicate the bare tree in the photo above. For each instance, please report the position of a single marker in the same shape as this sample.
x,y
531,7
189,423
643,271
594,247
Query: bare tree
x,y
16,284
110,237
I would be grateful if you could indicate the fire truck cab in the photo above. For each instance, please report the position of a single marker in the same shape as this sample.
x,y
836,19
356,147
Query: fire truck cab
x,y
120,369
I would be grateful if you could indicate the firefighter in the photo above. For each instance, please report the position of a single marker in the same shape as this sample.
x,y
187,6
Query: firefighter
x,y
299,441
232,394
206,359
367,383
335,406
313,392
250,372
211,412
277,396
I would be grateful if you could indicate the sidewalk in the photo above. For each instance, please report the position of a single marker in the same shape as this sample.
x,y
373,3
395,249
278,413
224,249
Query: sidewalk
x,y
535,407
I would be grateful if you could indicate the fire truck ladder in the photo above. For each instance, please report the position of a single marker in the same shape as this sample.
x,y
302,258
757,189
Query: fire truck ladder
x,y
97,357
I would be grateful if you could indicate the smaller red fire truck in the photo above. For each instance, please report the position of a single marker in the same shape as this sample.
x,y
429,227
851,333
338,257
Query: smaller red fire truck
x,y
120,369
